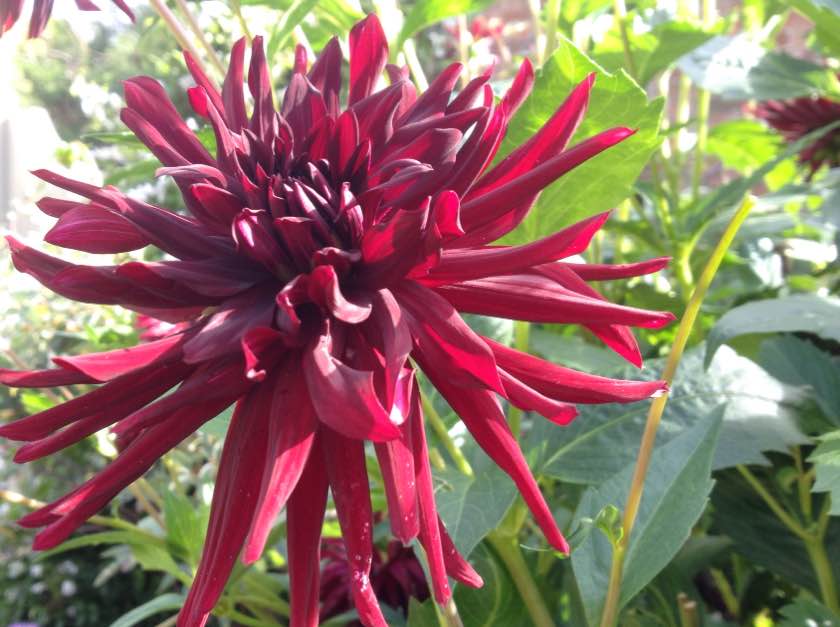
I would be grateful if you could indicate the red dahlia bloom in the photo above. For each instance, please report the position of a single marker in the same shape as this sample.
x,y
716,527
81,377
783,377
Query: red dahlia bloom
x,y
10,11
327,252
395,579
796,118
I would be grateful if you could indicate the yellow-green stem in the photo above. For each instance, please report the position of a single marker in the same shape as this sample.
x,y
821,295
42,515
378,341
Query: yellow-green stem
x,y
507,548
243,24
199,34
789,521
620,11
634,497
825,575
175,28
434,420
703,103
414,66
552,19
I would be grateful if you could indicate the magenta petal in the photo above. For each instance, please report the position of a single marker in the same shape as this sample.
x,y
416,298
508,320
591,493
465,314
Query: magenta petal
x,y
446,340
389,329
235,500
325,290
397,464
368,55
291,433
345,462
95,230
345,398
111,364
456,566
528,399
304,519
42,378
610,272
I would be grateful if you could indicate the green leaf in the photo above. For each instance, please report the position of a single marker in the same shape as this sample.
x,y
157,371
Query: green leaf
x,y
806,312
760,537
825,14
497,602
104,537
471,507
163,603
427,12
738,68
798,362
422,614
808,613
154,557
653,51
602,182
186,524
283,28
676,491
604,438
826,461
743,144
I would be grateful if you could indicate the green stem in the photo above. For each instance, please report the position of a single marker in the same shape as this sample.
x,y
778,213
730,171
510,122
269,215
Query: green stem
x,y
825,575
508,550
781,513
534,6
175,28
803,484
621,18
414,66
609,616
552,19
704,99
199,34
434,420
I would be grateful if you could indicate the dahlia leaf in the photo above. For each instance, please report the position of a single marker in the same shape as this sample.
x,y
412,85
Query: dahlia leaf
x,y
826,461
825,16
760,416
427,12
497,602
763,539
163,603
603,181
739,68
675,496
807,612
801,312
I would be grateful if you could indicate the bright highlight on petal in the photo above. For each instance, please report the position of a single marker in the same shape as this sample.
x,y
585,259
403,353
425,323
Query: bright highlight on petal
x,y
325,256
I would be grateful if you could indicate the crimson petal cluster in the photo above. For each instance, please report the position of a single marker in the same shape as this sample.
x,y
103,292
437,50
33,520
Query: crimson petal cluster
x,y
796,118
329,248
10,12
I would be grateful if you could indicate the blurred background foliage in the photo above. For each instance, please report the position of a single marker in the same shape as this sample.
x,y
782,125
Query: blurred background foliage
x,y
739,522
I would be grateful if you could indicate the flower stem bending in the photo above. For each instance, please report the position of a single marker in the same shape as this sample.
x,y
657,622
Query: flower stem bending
x,y
611,606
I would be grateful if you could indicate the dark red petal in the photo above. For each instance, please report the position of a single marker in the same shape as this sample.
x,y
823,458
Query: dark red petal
x,y
291,433
389,332
42,378
456,566
368,55
447,341
464,264
325,75
519,89
528,399
235,499
430,537
570,385
115,363
397,464
324,289
40,16
95,230
610,272
345,462
304,519
486,422
345,398
233,93
538,299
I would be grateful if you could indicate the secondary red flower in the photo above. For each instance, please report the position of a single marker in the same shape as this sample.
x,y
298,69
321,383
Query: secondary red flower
x,y
796,118
396,578
10,11
327,253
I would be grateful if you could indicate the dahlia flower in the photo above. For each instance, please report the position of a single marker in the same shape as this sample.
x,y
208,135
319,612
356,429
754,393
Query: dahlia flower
x,y
396,578
796,118
330,246
10,11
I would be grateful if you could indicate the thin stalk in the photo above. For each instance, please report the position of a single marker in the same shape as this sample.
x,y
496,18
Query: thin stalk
x,y
730,599
825,575
620,10
704,99
414,66
434,420
781,513
199,34
464,49
146,506
508,550
654,417
169,622
521,335
450,614
688,611
803,483
552,20
243,24
176,28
